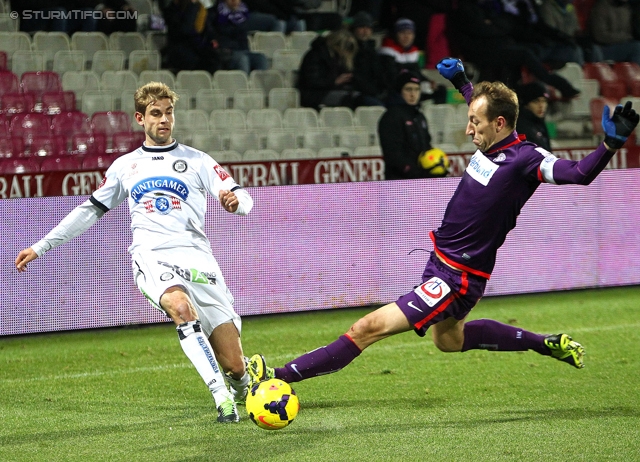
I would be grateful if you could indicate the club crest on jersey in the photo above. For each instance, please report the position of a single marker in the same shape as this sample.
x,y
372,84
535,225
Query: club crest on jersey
x,y
221,172
162,205
162,184
432,291
180,166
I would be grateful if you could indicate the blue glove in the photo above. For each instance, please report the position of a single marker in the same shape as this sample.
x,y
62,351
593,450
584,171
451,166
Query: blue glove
x,y
453,70
620,125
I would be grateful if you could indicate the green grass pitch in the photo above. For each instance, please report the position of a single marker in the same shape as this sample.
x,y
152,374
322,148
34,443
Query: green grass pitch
x,y
129,394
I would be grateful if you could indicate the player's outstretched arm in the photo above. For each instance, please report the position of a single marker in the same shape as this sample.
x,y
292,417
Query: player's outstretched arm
x,y
24,257
619,125
452,69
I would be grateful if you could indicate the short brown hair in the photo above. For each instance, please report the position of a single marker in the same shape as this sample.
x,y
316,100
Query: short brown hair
x,y
501,101
151,92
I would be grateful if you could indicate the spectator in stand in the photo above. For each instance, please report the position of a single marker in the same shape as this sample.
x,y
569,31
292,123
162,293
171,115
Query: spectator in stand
x,y
533,99
327,75
611,28
368,75
282,12
122,12
54,22
561,16
231,26
191,43
485,39
398,52
403,130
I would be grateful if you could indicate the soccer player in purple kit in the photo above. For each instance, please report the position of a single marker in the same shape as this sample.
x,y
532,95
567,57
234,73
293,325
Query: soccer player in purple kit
x,y
502,175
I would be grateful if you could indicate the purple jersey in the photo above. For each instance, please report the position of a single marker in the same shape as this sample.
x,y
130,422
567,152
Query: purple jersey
x,y
494,188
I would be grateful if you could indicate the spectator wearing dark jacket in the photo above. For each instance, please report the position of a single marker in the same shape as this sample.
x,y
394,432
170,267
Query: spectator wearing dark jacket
x,y
368,74
533,100
191,41
327,75
231,28
404,132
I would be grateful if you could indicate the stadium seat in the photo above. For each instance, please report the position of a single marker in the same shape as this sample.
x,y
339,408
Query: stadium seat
x,y
368,151
61,163
247,99
571,71
300,118
142,6
58,101
301,41
124,142
223,157
97,101
369,116
110,122
40,83
207,141
50,43
297,154
9,82
91,144
162,75
442,124
286,60
334,153
230,81
268,42
337,117
127,42
280,139
141,60
243,140
30,124
89,42
73,60
8,22
260,155
208,99
353,137
119,80
3,61
80,82
99,161
284,98
192,120
318,138
610,85
11,146
107,60
10,42
264,119
70,123
27,61
266,80
629,73
227,119
19,165
589,89
193,82
155,40
46,145
16,103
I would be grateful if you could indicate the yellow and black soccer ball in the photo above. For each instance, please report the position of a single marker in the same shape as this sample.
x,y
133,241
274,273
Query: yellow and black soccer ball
x,y
434,161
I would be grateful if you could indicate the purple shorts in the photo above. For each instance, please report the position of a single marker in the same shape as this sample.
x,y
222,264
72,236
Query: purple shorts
x,y
444,293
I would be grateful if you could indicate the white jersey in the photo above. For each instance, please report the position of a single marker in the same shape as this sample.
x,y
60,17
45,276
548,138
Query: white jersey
x,y
166,188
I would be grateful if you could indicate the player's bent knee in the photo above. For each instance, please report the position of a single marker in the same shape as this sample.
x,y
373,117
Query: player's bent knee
x,y
447,345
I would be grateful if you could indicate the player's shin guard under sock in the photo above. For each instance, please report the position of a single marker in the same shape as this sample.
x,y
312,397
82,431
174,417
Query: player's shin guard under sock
x,y
486,334
198,349
324,360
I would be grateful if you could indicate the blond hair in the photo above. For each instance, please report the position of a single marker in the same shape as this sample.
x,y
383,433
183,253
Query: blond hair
x,y
343,44
150,93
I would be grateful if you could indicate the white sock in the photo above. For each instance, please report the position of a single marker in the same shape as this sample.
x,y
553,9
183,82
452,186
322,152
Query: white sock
x,y
198,349
239,387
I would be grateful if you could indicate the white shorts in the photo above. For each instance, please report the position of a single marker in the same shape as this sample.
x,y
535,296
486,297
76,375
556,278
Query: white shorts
x,y
197,273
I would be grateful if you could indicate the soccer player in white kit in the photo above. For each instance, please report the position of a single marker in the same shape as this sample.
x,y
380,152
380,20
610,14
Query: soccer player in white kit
x,y
166,184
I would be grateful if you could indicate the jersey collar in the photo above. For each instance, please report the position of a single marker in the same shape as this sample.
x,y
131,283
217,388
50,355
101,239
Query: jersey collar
x,y
509,141
160,148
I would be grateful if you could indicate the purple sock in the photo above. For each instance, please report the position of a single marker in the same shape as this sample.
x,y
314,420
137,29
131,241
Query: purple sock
x,y
486,334
324,360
